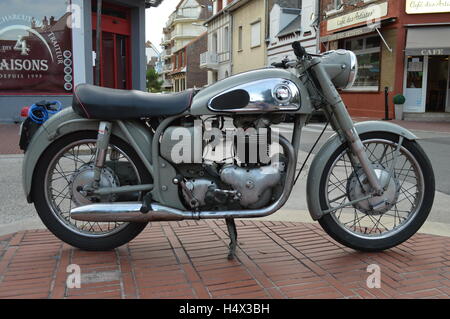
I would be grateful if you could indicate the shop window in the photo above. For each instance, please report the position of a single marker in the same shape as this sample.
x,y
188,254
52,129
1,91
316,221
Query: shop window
x,y
334,5
368,52
35,47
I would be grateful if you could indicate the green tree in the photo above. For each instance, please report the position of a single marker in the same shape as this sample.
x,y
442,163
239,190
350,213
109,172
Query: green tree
x,y
153,84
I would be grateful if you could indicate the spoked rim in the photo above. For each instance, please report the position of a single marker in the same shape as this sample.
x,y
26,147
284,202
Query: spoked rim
x,y
57,187
409,181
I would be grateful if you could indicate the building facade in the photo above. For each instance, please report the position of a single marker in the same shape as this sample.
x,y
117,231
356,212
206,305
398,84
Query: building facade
x,y
248,34
46,49
290,21
187,72
184,25
217,58
402,48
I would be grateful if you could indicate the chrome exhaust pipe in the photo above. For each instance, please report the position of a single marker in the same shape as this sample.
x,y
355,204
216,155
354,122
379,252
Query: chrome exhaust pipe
x,y
130,211
127,212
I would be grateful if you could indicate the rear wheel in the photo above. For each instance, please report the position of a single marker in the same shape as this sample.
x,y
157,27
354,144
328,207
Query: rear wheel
x,y
381,222
66,165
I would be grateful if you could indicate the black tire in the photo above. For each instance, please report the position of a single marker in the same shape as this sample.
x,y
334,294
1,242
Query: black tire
x,y
337,232
108,242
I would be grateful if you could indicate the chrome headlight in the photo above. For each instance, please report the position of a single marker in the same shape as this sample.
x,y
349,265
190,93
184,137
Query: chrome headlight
x,y
353,70
342,68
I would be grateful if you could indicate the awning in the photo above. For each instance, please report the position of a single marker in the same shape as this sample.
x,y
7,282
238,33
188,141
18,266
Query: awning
x,y
428,41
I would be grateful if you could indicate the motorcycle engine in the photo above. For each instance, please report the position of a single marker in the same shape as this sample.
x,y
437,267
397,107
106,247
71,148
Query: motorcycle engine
x,y
246,187
254,185
244,177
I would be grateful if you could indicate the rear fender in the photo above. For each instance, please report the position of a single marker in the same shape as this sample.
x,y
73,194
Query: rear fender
x,y
66,122
321,159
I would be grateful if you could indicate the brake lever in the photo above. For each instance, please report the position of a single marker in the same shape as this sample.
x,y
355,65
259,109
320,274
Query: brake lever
x,y
279,65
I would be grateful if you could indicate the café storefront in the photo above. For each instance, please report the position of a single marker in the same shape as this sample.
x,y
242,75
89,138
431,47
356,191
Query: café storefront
x,y
407,53
369,30
48,47
427,69
427,52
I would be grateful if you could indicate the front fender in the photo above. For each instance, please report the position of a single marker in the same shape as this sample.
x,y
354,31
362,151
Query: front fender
x,y
66,122
333,143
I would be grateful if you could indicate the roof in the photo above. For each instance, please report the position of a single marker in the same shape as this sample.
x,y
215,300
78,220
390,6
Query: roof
x,y
292,27
199,37
289,3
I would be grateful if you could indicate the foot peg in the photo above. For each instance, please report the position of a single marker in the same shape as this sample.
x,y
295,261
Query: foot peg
x,y
232,232
146,203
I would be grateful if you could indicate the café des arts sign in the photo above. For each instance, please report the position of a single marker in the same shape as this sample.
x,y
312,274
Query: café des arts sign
x,y
365,15
427,6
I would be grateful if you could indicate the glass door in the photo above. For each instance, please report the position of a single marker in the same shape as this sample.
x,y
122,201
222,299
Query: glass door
x,y
415,85
114,61
115,57
437,83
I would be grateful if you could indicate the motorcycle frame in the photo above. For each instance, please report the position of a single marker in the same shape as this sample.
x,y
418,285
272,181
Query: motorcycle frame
x,y
163,189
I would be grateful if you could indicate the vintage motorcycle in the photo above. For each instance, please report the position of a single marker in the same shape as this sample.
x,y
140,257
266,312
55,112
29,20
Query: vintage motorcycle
x,y
99,171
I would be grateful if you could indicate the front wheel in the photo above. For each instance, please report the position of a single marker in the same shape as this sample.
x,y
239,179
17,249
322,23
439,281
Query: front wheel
x,y
65,167
380,222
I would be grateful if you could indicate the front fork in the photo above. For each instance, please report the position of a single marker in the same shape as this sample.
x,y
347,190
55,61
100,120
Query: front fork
x,y
342,121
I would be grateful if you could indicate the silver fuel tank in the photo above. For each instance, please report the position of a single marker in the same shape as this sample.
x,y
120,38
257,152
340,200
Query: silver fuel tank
x,y
258,91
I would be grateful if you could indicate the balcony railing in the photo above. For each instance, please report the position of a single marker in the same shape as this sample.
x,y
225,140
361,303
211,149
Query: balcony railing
x,y
209,60
168,67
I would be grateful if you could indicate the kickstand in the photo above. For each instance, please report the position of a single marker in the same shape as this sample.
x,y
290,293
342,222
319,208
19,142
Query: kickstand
x,y
232,232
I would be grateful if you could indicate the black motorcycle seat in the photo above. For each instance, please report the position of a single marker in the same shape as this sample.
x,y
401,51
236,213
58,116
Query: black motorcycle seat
x,y
94,102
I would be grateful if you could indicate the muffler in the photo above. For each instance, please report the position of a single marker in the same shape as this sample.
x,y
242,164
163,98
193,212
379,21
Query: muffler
x,y
127,212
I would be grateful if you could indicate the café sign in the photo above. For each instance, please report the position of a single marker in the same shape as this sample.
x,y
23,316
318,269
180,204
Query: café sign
x,y
428,51
427,6
368,15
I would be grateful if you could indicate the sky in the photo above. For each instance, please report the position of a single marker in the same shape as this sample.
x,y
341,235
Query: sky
x,y
156,19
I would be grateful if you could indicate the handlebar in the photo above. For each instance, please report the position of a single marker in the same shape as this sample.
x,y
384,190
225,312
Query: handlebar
x,y
300,52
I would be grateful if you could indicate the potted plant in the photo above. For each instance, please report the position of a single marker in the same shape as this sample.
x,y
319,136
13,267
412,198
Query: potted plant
x,y
399,101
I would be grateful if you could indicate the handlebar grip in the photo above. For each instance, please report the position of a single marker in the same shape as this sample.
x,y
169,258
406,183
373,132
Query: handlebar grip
x,y
299,51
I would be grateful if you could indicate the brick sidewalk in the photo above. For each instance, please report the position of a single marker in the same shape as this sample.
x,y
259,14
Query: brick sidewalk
x,y
188,260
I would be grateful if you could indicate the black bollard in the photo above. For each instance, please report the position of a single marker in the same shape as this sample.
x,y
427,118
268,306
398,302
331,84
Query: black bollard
x,y
386,104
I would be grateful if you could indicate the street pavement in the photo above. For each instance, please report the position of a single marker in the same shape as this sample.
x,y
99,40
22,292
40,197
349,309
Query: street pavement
x,y
16,214
283,257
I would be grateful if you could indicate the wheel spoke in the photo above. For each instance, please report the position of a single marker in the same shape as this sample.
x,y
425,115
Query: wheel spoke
x,y
64,168
361,218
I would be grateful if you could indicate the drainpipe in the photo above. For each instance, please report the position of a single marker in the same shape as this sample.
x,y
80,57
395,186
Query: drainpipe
x,y
319,20
230,39
267,30
98,43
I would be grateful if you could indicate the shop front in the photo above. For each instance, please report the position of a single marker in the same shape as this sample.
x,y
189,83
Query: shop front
x,y
427,70
48,47
427,52
370,31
